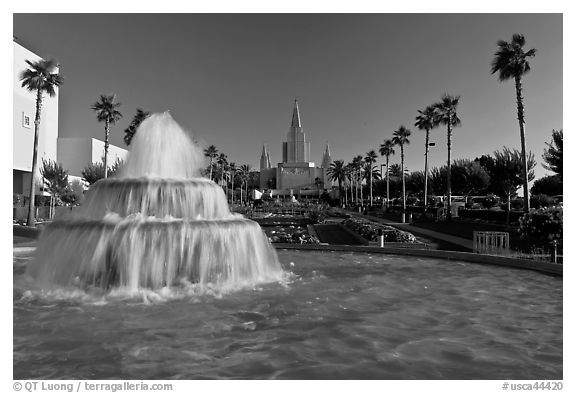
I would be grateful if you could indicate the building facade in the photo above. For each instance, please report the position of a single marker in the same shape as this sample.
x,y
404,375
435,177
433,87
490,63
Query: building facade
x,y
24,112
74,154
296,174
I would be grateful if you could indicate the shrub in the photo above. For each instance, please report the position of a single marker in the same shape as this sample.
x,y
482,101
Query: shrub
x,y
541,200
316,215
542,226
370,231
490,201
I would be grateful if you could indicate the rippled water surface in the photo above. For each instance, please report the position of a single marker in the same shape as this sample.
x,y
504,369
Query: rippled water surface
x,y
352,316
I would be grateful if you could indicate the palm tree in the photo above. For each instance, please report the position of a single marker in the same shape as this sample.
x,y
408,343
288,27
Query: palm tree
x,y
232,171
244,176
222,162
401,138
370,159
510,61
387,149
337,173
129,132
106,111
211,152
446,115
357,163
39,78
349,169
426,120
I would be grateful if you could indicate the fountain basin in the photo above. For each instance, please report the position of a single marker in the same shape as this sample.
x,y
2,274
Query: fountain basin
x,y
339,315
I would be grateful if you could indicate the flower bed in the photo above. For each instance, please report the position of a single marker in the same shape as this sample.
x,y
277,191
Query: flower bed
x,y
289,234
370,231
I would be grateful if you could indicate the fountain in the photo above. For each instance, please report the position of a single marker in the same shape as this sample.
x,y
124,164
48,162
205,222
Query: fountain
x,y
157,224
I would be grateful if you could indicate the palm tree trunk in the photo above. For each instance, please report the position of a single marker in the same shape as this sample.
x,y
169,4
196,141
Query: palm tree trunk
x,y
361,191
106,143
210,168
387,183
370,185
519,101
449,173
403,185
426,172
31,221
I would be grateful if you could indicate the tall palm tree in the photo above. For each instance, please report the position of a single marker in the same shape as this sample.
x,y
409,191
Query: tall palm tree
x,y
387,149
401,138
510,61
337,173
211,152
129,132
349,169
370,159
39,78
232,170
107,112
426,120
221,162
244,176
447,115
357,163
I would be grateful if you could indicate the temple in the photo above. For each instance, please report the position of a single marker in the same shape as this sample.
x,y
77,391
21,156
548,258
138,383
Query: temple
x,y
296,174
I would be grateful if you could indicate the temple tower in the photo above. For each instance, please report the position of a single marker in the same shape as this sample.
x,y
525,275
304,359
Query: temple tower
x,y
296,149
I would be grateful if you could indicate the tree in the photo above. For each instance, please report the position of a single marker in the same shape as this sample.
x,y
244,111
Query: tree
x,y
244,175
396,170
426,120
401,138
95,170
357,165
39,78
211,152
107,112
553,154
232,168
318,183
336,172
507,172
387,149
370,159
469,177
55,180
446,115
547,185
510,61
129,132
74,194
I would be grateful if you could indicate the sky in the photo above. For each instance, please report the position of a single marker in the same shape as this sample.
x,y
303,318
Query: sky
x,y
231,79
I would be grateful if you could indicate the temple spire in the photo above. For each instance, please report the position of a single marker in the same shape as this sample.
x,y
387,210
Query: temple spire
x,y
296,116
327,159
264,158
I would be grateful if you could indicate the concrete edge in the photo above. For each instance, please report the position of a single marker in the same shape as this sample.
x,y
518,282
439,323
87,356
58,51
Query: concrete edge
x,y
543,267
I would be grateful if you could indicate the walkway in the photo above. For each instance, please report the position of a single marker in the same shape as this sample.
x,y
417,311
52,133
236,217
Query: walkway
x,y
454,242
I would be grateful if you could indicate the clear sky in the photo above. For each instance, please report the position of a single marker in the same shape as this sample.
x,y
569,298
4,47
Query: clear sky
x,y
232,78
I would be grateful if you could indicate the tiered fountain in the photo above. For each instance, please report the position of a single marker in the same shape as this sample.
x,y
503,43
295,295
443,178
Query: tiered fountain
x,y
157,224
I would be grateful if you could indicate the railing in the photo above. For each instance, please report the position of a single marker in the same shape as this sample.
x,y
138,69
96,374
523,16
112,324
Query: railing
x,y
491,242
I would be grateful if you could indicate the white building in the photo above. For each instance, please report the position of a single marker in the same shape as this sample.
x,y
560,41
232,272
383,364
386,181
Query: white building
x,y
24,110
74,154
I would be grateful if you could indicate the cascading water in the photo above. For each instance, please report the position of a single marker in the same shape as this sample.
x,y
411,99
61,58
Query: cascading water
x,y
158,224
